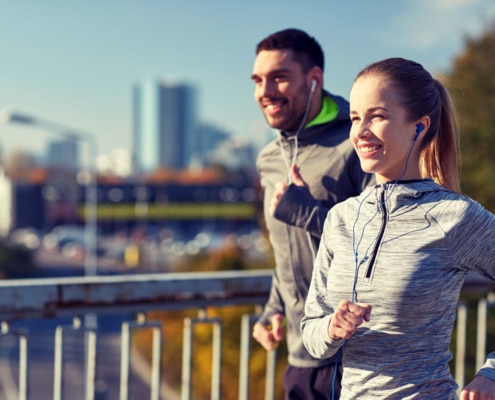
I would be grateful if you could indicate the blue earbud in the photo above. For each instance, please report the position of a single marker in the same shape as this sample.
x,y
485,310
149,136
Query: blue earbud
x,y
419,129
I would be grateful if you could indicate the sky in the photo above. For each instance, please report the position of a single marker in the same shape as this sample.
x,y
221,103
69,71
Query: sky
x,y
75,62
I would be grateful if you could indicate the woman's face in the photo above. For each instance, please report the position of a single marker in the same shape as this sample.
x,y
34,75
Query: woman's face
x,y
381,134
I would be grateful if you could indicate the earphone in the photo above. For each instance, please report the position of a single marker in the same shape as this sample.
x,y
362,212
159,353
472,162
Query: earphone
x,y
296,142
313,85
419,129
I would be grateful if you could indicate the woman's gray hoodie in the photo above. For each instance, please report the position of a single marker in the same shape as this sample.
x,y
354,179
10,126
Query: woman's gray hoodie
x,y
415,243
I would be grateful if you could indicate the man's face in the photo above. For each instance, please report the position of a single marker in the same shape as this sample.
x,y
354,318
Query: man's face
x,y
281,88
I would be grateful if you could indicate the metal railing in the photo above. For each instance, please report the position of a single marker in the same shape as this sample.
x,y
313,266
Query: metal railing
x,y
82,299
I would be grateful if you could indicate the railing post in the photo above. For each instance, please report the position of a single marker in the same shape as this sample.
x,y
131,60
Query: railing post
x,y
271,362
483,305
186,360
23,367
460,357
216,361
90,359
481,333
245,352
187,352
23,358
127,328
125,360
90,363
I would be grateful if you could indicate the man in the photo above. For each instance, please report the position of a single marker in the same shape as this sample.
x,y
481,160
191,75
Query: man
x,y
307,169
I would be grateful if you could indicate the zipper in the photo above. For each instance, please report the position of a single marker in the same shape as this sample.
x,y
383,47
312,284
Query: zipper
x,y
380,236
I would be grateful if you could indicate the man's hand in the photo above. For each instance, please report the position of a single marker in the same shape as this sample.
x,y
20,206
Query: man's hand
x,y
347,318
281,187
270,336
480,388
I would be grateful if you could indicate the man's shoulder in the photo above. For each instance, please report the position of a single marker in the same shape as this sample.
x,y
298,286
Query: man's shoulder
x,y
269,147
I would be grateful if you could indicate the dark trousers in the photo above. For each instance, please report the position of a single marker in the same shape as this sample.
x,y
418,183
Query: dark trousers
x,y
322,383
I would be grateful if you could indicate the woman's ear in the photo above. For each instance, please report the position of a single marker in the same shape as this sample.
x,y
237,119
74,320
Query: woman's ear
x,y
422,126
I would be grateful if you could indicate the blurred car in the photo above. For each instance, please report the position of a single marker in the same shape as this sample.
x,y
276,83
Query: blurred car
x,y
62,235
27,237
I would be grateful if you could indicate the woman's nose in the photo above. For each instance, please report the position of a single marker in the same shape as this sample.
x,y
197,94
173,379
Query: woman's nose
x,y
363,131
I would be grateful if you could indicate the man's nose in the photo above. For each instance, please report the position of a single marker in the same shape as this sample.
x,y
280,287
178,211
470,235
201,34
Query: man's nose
x,y
267,88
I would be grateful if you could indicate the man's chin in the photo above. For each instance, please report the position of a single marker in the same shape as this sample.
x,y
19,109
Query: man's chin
x,y
276,124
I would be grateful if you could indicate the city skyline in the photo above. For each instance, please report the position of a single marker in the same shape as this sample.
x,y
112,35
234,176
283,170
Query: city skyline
x,y
76,63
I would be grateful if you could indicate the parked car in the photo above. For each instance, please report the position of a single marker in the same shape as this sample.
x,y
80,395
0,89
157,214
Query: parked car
x,y
62,235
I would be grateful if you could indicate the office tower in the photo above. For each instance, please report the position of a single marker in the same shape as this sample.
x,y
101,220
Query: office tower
x,y
165,133
63,153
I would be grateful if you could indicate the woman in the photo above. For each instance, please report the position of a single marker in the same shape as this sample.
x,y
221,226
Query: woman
x,y
392,261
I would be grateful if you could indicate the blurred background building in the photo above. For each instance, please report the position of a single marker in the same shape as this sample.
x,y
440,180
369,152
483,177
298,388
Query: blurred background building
x,y
63,153
165,125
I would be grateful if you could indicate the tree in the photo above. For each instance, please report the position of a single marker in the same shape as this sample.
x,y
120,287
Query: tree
x,y
472,84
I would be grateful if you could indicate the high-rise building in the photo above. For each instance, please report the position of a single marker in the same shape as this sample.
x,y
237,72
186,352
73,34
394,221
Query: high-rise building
x,y
165,133
63,153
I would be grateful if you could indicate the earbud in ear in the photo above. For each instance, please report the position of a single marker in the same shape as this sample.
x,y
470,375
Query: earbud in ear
x,y
313,85
419,129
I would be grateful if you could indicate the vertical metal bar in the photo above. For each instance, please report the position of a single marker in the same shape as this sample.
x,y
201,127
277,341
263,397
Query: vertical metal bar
x,y
90,360
127,328
155,363
186,360
216,368
58,364
481,333
189,324
245,351
125,361
90,364
23,367
460,357
22,393
271,362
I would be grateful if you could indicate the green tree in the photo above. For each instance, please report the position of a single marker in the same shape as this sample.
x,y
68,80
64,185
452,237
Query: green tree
x,y
472,83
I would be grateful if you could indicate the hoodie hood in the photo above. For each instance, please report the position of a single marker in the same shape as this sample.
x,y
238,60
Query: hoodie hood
x,y
337,112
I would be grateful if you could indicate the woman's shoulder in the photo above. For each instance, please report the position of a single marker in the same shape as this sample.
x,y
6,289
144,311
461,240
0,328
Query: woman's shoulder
x,y
456,207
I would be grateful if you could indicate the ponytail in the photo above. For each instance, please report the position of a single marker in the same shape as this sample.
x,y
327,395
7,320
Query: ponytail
x,y
439,156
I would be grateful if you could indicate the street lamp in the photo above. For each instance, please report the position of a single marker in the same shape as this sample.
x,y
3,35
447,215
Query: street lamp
x,y
91,204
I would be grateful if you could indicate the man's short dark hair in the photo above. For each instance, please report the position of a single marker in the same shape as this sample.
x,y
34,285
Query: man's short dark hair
x,y
305,48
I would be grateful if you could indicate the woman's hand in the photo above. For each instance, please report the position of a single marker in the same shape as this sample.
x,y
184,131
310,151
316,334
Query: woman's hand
x,y
347,318
480,388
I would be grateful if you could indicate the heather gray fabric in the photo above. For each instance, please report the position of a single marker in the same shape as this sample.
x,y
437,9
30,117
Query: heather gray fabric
x,y
413,256
332,170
